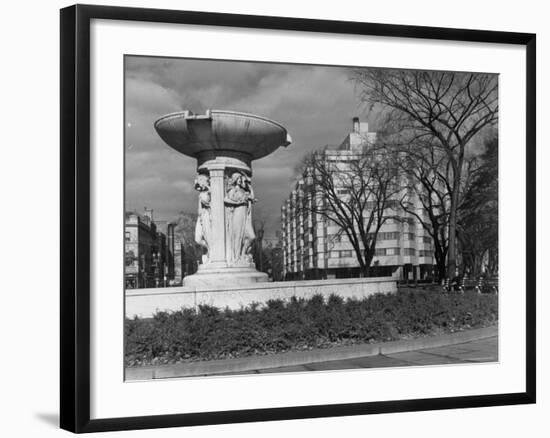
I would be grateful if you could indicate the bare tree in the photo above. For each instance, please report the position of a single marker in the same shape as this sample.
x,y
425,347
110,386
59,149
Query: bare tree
x,y
444,109
478,214
354,191
426,183
426,179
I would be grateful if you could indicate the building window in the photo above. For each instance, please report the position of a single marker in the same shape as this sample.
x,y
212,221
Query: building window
x,y
343,191
409,251
127,236
390,203
380,251
409,236
427,239
389,235
341,254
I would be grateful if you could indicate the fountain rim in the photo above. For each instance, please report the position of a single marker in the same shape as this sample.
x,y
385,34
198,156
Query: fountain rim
x,y
189,115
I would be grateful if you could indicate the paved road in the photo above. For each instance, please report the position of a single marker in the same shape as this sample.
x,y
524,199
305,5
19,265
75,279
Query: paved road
x,y
484,350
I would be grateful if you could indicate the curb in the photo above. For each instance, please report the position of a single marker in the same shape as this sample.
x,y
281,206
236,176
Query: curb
x,y
194,369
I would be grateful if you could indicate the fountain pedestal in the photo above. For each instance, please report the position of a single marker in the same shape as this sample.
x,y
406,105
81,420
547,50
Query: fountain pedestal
x,y
224,143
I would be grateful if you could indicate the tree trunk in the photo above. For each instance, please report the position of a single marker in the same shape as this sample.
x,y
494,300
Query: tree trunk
x,y
362,267
368,256
451,252
440,259
441,267
451,267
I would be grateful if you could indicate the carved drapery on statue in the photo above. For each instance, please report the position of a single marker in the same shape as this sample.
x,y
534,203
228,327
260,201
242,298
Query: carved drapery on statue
x,y
239,235
203,228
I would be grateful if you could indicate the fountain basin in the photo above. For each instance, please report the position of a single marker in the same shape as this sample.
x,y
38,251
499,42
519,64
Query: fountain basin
x,y
222,133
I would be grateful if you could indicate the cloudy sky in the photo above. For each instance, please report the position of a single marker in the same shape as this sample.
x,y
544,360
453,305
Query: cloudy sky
x,y
316,105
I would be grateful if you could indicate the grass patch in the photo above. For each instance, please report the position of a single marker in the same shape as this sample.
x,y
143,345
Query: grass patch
x,y
209,333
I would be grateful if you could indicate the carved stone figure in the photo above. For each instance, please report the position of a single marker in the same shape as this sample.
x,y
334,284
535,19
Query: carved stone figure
x,y
203,229
239,198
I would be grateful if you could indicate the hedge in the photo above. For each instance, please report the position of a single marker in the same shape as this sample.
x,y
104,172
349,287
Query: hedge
x,y
209,333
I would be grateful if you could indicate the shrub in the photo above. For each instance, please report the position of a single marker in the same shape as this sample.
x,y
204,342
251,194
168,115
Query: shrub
x,y
211,333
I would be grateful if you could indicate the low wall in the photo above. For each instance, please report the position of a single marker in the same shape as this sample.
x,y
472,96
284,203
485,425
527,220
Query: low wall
x,y
145,303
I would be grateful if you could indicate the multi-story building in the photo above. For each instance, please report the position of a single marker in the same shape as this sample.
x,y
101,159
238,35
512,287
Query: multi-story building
x,y
314,247
181,262
151,255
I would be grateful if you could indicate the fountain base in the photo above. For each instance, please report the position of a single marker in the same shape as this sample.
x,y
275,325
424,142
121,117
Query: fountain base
x,y
214,275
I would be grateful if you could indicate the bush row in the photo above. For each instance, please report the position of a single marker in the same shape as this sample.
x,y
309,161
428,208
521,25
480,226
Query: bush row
x,y
210,333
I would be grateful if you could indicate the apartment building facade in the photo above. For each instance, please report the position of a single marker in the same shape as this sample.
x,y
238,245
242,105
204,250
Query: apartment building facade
x,y
315,247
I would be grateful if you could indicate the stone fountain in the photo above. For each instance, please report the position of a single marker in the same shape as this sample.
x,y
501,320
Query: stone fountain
x,y
224,143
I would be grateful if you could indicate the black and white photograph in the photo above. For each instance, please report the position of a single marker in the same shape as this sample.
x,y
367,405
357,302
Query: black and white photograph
x,y
287,218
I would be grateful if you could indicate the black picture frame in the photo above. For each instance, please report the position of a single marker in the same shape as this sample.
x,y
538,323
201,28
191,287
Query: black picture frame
x,y
75,217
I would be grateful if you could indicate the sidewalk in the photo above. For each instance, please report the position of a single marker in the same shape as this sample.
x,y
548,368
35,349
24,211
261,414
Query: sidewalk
x,y
483,350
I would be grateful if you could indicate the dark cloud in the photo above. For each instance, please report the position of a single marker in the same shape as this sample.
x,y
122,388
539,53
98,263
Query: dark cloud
x,y
315,104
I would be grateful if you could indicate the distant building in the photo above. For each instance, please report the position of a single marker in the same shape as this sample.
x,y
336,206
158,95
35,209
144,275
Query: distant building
x,y
184,262
315,247
174,250
150,254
